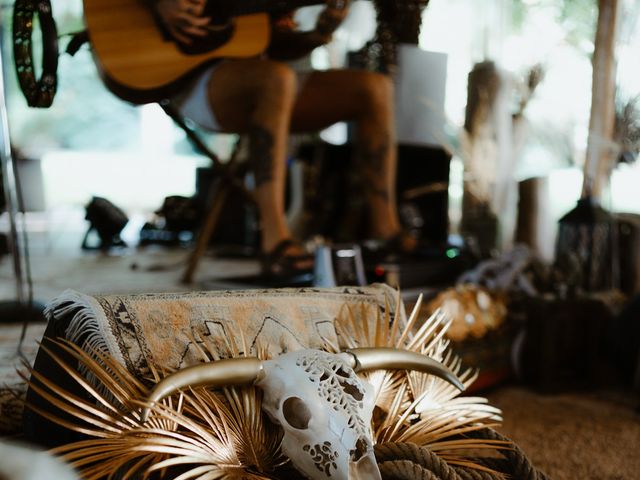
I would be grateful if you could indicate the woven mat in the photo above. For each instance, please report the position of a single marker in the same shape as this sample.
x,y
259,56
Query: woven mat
x,y
12,388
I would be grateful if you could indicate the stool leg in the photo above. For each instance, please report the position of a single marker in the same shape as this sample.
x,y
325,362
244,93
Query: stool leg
x,y
204,235
636,383
636,379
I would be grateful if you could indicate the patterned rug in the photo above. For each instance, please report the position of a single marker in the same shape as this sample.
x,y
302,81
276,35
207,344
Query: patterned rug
x,y
168,330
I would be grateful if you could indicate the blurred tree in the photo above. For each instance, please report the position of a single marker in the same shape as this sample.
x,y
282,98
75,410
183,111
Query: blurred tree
x,y
577,17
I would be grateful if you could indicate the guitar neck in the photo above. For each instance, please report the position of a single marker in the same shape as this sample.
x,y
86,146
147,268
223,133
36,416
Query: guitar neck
x,y
247,7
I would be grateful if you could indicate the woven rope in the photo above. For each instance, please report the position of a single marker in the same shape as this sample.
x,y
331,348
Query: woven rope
x,y
517,462
407,461
399,452
405,470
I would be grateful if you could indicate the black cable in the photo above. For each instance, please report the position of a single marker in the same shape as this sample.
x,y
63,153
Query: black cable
x,y
14,203
27,259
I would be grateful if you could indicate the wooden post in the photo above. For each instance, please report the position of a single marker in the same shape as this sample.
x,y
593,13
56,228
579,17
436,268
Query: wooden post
x,y
599,152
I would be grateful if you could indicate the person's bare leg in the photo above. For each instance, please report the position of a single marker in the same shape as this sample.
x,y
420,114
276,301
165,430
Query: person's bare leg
x,y
367,99
255,97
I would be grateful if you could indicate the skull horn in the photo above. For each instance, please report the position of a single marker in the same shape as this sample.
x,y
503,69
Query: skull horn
x,y
221,373
395,359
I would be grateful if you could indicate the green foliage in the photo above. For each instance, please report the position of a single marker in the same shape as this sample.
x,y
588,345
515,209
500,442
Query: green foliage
x,y
518,14
577,17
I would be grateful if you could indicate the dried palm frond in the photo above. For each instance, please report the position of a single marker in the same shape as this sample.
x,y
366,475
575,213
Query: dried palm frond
x,y
416,407
386,332
428,339
212,435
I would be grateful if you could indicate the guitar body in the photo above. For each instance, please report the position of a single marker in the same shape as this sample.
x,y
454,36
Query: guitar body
x,y
140,65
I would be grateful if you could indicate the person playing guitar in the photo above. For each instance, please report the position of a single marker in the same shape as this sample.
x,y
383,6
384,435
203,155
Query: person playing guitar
x,y
265,99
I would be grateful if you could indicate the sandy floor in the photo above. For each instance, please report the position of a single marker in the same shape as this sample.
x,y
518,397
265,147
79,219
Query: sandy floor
x,y
58,263
571,436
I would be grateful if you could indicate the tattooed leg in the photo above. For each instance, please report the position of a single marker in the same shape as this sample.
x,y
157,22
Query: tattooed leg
x,y
372,162
255,97
266,160
261,156
377,163
267,172
378,166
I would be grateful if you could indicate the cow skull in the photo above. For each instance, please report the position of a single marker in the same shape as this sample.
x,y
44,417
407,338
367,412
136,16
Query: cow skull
x,y
317,398
324,409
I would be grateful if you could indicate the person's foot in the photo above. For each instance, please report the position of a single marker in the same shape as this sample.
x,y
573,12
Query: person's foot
x,y
286,260
400,245
401,242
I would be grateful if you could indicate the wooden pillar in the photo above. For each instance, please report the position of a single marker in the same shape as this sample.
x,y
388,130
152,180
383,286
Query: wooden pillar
x,y
535,224
528,210
601,126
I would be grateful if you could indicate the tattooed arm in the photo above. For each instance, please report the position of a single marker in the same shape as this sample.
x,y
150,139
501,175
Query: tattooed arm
x,y
288,44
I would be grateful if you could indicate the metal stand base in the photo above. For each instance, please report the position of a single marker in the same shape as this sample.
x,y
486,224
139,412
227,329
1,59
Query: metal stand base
x,y
22,309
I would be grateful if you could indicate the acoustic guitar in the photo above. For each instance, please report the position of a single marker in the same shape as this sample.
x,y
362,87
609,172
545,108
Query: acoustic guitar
x,y
141,63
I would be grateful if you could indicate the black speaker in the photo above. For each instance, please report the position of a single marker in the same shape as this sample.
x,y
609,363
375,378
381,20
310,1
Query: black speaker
x,y
107,220
423,191
334,201
629,253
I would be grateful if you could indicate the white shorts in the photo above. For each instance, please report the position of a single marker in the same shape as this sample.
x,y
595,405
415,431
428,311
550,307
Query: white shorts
x,y
193,103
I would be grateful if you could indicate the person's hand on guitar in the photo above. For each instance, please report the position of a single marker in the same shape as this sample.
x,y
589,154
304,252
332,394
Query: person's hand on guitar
x,y
182,18
290,44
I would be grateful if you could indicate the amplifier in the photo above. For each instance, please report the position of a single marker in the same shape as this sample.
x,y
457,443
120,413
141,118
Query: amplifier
x,y
336,211
629,253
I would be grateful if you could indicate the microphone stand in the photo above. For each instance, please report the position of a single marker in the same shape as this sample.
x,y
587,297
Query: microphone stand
x,y
23,308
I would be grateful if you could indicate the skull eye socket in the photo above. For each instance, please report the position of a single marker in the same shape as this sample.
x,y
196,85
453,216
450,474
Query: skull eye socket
x,y
348,388
296,413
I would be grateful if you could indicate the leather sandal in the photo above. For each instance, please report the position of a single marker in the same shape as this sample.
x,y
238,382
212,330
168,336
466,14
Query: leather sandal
x,y
278,264
400,243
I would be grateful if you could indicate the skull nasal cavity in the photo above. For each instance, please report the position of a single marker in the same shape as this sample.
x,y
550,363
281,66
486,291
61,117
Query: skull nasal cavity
x,y
296,413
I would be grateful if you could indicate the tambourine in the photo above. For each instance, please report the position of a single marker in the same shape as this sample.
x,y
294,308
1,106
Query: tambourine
x,y
38,92
338,4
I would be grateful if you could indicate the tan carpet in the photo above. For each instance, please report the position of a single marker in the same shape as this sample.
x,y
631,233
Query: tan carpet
x,y
12,387
574,436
